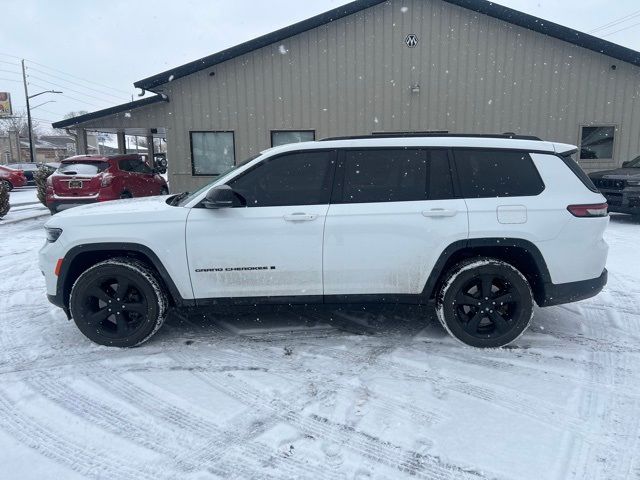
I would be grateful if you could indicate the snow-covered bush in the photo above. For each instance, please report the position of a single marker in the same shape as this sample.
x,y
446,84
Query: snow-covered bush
x,y
4,200
40,177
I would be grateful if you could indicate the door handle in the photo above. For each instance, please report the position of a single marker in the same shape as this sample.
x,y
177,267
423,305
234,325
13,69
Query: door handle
x,y
300,217
439,212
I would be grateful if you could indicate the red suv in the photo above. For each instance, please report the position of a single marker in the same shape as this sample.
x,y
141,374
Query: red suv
x,y
95,178
12,178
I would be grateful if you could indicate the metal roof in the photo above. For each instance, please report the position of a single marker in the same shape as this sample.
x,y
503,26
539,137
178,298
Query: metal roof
x,y
485,7
109,111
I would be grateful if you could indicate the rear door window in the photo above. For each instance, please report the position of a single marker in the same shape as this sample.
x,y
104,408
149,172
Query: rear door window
x,y
79,168
385,175
396,175
497,173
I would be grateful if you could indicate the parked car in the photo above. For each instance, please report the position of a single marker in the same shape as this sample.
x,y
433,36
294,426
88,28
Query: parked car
x,y
484,226
28,168
87,179
621,187
11,177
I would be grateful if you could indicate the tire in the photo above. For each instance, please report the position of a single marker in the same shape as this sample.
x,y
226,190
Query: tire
x,y
485,303
126,194
7,184
103,286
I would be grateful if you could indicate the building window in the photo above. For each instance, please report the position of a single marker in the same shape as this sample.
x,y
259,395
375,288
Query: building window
x,y
212,153
597,143
283,137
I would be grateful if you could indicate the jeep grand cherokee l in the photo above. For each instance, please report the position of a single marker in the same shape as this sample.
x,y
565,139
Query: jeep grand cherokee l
x,y
484,226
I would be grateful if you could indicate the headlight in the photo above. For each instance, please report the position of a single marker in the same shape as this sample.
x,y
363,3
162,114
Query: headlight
x,y
53,234
633,183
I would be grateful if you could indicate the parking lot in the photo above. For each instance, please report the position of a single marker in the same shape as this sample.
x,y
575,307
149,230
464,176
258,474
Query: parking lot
x,y
313,393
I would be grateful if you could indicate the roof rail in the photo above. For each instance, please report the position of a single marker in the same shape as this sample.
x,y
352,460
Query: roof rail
x,y
414,135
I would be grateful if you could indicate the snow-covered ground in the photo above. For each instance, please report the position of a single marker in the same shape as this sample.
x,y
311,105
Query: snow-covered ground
x,y
311,394
24,204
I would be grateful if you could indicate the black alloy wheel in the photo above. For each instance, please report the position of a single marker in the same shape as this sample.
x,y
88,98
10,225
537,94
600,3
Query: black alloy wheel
x,y
485,303
119,302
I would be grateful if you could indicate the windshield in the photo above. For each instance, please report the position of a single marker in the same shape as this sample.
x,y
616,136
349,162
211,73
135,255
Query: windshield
x,y
635,163
82,168
187,198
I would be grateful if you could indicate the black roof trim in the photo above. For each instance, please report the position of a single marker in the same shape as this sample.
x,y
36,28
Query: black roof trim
x,y
511,136
109,111
481,6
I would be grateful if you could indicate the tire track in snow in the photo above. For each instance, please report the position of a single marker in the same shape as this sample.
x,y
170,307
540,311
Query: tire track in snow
x,y
88,461
618,414
368,446
209,454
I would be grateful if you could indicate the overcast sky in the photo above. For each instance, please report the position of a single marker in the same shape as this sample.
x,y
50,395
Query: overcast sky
x,y
116,42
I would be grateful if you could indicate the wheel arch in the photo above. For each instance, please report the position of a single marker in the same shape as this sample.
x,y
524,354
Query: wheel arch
x,y
520,253
81,257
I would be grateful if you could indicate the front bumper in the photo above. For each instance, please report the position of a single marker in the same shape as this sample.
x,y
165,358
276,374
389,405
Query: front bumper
x,y
623,201
559,293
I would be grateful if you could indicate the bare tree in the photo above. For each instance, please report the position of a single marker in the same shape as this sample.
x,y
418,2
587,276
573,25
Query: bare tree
x,y
19,123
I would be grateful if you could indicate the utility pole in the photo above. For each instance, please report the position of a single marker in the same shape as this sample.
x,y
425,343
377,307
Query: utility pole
x,y
26,96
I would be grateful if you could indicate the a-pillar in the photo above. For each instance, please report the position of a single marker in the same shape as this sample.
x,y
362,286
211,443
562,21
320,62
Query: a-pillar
x,y
122,144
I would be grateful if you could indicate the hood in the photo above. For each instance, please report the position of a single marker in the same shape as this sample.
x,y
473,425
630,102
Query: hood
x,y
131,208
618,174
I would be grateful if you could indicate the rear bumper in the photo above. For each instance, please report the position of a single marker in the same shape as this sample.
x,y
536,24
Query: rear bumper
x,y
54,202
559,293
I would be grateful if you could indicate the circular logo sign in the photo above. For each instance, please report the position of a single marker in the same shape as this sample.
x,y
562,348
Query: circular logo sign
x,y
411,40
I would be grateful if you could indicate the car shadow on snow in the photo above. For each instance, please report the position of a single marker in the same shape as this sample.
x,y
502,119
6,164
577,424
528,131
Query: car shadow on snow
x,y
625,219
281,322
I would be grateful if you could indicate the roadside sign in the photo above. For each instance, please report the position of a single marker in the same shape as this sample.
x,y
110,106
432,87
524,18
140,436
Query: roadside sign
x,y
5,104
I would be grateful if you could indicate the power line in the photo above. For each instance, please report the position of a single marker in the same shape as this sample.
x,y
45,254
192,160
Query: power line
x,y
621,30
75,83
69,96
70,89
10,80
10,71
616,21
62,72
78,78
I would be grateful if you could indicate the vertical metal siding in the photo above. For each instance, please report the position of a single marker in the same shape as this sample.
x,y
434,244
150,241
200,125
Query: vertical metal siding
x,y
353,76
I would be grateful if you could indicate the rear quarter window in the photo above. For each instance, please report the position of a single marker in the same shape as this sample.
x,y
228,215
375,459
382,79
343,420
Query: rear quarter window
x,y
497,173
578,172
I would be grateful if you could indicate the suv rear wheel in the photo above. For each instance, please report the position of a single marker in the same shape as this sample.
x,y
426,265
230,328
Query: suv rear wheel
x,y
485,303
119,302
7,184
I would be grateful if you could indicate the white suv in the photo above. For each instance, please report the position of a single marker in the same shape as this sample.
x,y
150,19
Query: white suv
x,y
482,225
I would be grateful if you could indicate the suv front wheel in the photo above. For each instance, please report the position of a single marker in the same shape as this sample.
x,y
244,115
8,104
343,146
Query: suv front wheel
x,y
485,303
119,302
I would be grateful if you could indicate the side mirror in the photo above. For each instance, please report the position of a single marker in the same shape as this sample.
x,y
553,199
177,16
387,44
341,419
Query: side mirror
x,y
221,196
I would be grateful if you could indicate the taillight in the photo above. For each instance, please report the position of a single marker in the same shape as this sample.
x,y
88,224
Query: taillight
x,y
106,180
594,210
